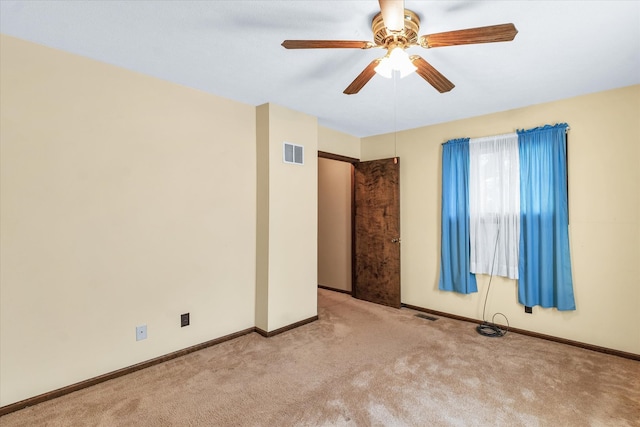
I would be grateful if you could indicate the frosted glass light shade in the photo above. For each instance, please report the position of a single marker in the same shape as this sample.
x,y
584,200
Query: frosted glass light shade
x,y
384,68
396,60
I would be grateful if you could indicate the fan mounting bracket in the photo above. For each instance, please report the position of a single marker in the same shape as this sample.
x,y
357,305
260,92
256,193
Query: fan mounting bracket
x,y
406,37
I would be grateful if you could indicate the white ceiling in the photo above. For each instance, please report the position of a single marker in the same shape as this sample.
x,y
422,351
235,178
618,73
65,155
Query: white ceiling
x,y
232,49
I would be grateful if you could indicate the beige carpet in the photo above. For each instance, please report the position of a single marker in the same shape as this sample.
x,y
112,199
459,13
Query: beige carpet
x,y
362,364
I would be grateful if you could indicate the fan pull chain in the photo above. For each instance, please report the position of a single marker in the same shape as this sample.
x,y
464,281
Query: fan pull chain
x,y
395,117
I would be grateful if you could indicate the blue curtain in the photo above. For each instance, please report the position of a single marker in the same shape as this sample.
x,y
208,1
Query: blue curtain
x,y
544,263
454,256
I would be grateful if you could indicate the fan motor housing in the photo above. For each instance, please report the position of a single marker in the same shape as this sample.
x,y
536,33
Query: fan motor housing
x,y
408,35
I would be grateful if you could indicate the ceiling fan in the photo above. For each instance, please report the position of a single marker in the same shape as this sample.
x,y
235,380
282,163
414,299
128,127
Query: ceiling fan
x,y
396,29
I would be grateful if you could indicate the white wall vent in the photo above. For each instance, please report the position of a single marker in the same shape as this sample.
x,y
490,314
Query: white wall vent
x,y
292,153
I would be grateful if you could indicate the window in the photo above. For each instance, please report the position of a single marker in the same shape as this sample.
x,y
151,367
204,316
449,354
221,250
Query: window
x,y
504,198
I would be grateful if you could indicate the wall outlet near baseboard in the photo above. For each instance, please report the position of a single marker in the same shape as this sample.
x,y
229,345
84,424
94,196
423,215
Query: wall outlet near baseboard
x,y
141,333
184,320
528,309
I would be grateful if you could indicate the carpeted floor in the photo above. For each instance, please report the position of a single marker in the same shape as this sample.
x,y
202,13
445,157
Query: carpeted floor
x,y
362,364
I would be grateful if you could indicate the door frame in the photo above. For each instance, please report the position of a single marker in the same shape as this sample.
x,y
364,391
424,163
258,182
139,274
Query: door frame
x,y
352,161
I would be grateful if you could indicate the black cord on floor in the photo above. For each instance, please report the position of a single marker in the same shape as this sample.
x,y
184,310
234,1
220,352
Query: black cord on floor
x,y
488,330
491,329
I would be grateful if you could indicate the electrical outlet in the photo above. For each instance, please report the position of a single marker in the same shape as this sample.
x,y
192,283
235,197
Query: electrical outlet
x,y
184,320
528,309
141,333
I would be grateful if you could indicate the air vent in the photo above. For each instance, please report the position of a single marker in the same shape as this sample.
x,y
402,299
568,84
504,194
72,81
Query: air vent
x,y
292,153
424,316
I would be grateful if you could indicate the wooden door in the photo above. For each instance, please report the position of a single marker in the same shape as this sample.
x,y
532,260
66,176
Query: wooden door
x,y
376,269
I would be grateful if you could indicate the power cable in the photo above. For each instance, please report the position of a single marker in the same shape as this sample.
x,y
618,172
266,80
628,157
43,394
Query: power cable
x,y
490,329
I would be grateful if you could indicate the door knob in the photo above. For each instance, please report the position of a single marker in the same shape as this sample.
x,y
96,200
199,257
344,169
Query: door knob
x,y
395,240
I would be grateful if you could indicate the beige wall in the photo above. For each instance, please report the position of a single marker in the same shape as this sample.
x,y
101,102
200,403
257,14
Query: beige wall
x,y
125,200
334,224
335,142
604,214
287,284
262,217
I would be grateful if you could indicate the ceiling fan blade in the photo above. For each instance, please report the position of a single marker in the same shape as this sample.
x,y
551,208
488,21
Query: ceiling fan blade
x,y
362,79
430,74
392,14
490,34
326,44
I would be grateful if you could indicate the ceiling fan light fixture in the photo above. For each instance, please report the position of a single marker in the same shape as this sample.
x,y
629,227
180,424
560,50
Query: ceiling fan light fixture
x,y
396,60
400,61
384,68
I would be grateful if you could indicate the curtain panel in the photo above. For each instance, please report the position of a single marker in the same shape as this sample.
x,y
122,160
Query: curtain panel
x,y
545,262
494,200
455,274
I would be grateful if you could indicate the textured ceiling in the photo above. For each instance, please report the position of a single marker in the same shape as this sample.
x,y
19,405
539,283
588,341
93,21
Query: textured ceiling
x,y
232,49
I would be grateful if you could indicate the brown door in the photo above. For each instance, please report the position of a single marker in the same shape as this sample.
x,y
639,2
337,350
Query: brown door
x,y
376,269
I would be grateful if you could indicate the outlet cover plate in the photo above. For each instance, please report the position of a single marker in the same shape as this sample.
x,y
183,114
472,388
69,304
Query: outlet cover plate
x,y
141,333
184,320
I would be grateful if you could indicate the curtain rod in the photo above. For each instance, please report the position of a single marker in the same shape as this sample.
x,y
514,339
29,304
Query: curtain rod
x,y
567,129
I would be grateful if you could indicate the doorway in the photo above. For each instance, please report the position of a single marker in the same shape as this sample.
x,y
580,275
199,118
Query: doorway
x,y
359,227
335,223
